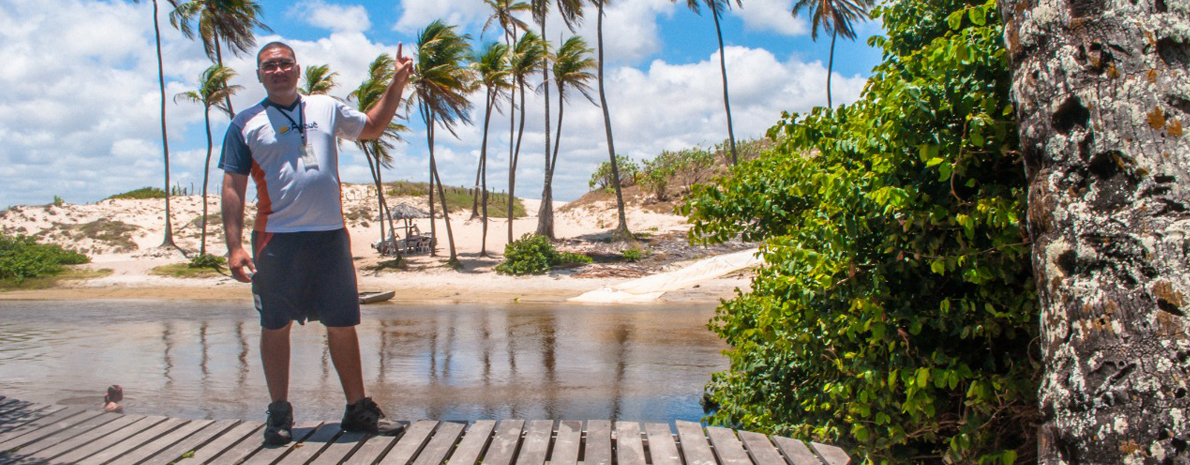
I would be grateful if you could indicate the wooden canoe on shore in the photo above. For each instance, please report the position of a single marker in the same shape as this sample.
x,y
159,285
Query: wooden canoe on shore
x,y
369,297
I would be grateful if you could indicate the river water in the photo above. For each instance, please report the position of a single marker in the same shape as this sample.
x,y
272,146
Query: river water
x,y
200,359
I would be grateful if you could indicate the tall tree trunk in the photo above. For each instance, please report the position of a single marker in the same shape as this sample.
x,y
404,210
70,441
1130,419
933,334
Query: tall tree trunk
x,y
515,160
206,178
169,230
490,100
621,233
511,37
723,70
1101,100
545,223
219,56
374,168
430,141
830,65
545,213
475,191
450,238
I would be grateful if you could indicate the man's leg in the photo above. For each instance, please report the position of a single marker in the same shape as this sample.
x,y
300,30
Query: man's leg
x,y
274,355
344,348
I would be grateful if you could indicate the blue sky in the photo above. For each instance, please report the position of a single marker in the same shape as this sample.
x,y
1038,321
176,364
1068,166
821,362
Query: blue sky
x,y
81,118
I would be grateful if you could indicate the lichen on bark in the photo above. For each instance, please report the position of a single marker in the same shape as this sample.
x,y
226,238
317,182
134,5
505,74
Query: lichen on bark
x,y
1102,93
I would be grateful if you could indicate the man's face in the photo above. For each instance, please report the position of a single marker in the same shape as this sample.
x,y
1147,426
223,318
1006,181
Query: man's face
x,y
278,71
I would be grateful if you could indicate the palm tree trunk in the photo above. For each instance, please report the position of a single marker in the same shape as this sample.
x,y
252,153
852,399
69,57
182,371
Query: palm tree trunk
x,y
621,233
375,179
515,160
483,162
475,191
545,213
169,230
545,221
454,258
830,65
511,37
430,141
726,100
206,178
219,56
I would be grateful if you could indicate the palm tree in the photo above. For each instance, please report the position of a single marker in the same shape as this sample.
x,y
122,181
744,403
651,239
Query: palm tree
x,y
369,92
169,230
441,85
503,13
621,232
572,68
229,22
572,13
717,7
319,80
529,55
834,16
212,88
491,64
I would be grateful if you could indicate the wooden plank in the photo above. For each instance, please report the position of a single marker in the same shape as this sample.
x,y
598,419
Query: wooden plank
x,y
20,415
830,454
662,448
189,443
762,450
37,421
28,455
796,451
441,444
695,449
110,440
537,443
266,455
473,444
44,426
599,443
504,445
314,444
341,448
131,443
159,444
240,433
728,448
630,448
61,431
566,443
407,447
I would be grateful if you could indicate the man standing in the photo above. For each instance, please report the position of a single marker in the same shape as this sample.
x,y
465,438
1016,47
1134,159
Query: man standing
x,y
301,268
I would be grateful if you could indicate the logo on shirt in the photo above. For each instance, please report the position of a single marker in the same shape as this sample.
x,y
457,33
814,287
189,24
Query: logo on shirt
x,y
294,127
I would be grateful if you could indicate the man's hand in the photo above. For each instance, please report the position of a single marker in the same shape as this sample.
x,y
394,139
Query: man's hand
x,y
237,261
403,66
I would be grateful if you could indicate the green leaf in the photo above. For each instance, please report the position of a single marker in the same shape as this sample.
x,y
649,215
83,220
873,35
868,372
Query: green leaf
x,y
977,16
933,162
923,377
955,20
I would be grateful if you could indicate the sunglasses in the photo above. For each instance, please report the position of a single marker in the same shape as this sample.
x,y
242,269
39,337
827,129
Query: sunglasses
x,y
284,65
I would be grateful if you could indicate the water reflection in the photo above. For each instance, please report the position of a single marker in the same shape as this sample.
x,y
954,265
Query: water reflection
x,y
459,362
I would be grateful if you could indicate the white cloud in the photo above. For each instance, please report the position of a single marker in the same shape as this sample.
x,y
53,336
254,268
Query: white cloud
x,y
630,31
772,16
416,14
337,18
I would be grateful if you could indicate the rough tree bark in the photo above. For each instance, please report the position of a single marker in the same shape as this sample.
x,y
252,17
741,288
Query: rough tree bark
x,y
1103,97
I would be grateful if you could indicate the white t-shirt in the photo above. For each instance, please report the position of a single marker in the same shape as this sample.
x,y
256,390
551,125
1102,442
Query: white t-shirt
x,y
266,141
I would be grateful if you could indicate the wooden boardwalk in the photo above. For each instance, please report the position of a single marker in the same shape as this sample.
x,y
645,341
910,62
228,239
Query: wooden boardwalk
x,y
42,434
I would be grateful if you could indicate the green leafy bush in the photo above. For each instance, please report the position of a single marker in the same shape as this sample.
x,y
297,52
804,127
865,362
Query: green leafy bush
x,y
22,257
142,193
896,311
602,177
207,261
633,255
533,254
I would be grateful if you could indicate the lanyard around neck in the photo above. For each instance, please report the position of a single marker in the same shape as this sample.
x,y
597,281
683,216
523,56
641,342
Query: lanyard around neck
x,y
301,122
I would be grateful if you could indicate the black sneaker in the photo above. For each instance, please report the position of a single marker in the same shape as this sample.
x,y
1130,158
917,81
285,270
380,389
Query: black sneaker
x,y
278,429
364,416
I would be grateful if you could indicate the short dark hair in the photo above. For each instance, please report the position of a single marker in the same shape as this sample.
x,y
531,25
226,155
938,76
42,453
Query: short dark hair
x,y
272,45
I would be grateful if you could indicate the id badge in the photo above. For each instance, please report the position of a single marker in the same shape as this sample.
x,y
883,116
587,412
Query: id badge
x,y
308,157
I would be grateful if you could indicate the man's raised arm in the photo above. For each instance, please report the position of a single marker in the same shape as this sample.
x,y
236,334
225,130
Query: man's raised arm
x,y
381,114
